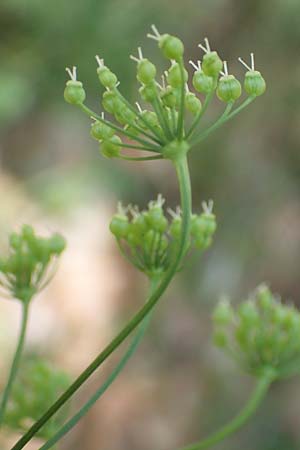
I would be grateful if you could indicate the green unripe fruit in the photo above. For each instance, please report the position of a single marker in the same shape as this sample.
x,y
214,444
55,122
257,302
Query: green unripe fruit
x,y
119,226
248,313
174,77
111,102
192,103
203,83
175,227
124,115
202,242
212,64
57,244
169,97
101,131
203,225
150,117
148,92
171,46
265,298
15,241
146,71
41,250
254,83
74,92
106,77
220,338
156,219
110,148
223,314
229,89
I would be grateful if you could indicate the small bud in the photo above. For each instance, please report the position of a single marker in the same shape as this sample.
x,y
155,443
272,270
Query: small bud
x,y
203,83
254,83
110,148
248,313
106,77
171,46
265,298
148,92
146,71
119,225
57,244
111,102
74,92
174,77
175,227
229,88
223,314
212,64
220,338
169,97
192,103
15,241
101,131
155,216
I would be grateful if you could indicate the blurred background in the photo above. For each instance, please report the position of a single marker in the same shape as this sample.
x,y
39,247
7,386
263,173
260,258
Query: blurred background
x,y
177,388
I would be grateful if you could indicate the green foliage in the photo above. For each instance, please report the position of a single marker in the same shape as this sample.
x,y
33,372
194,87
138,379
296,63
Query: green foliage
x,y
36,387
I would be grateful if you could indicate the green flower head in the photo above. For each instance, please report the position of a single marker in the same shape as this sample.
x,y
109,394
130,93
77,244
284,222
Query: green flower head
x,y
30,263
261,333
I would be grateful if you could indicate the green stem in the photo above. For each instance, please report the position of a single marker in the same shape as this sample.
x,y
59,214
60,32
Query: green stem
x,y
156,137
163,122
16,360
120,130
222,119
258,395
183,175
197,119
111,378
180,123
145,158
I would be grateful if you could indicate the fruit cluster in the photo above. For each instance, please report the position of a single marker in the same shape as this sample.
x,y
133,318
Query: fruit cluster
x,y
30,262
170,105
36,388
262,332
149,238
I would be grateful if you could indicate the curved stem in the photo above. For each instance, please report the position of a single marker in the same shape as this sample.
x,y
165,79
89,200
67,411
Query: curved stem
x,y
16,360
111,378
186,201
258,394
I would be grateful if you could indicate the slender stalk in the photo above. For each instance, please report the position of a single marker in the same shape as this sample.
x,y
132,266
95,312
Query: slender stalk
x,y
183,175
16,360
222,119
197,119
258,395
156,137
145,158
107,383
89,112
159,110
180,123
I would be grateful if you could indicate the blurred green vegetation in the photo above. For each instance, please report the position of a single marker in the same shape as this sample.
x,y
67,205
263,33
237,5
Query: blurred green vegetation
x,y
251,167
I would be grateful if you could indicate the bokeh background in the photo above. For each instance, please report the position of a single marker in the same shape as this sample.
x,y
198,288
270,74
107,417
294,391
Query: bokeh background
x,y
177,388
